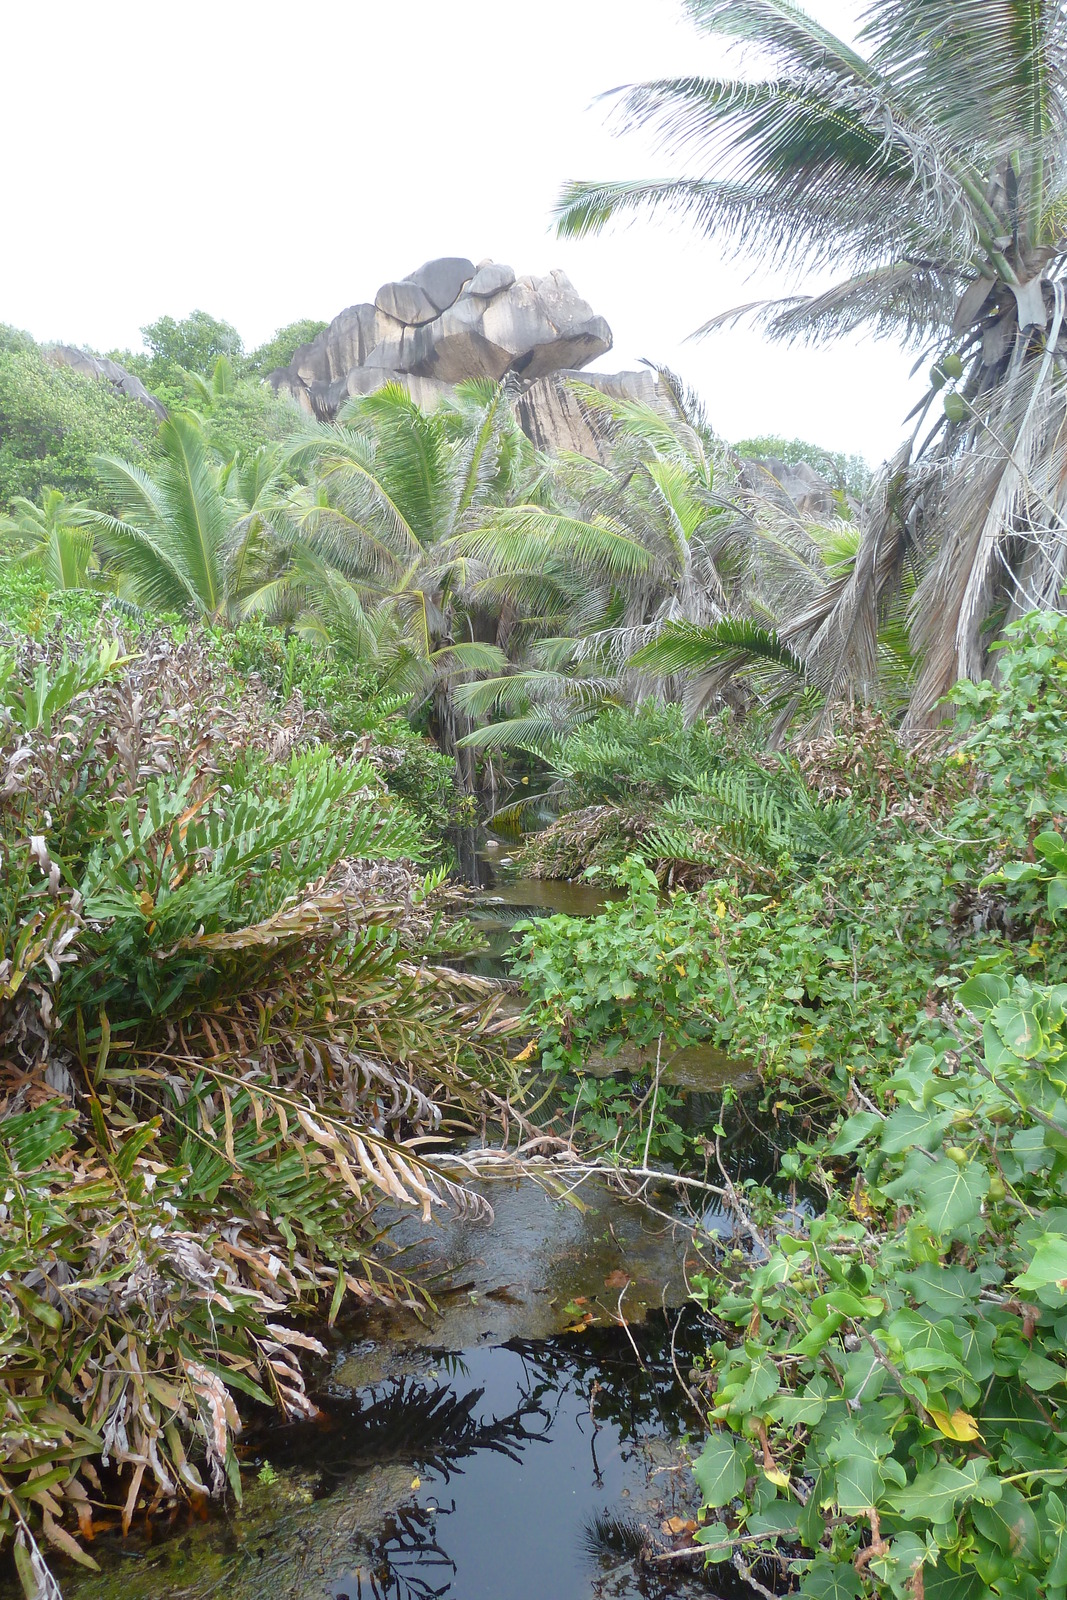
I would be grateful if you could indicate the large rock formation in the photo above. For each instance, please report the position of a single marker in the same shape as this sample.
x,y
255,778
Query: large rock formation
x,y
448,321
67,355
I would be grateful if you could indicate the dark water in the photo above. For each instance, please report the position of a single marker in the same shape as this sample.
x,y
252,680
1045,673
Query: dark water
x,y
535,1470
538,1464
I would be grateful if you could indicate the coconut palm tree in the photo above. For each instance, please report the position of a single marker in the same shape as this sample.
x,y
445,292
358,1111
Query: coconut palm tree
x,y
927,162
191,534
623,549
760,656
54,539
369,552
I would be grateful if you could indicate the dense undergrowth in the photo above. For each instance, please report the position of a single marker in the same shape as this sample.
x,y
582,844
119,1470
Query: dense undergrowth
x,y
887,1393
219,1036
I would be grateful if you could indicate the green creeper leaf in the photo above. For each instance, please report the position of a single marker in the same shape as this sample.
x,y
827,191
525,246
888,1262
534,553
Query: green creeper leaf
x,y
1048,1263
721,1469
952,1196
761,1383
932,1496
778,1517
797,1410
811,1522
941,1583
819,1335
831,1580
906,1552
849,1304
1010,1524
853,1132
1053,847
858,1454
982,992
1041,1374
923,1126
1019,1028
946,1290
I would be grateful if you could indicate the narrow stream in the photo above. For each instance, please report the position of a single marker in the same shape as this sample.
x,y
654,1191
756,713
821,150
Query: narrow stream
x,y
529,1442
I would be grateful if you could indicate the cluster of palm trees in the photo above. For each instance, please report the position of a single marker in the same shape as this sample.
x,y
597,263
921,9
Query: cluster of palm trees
x,y
511,593
929,160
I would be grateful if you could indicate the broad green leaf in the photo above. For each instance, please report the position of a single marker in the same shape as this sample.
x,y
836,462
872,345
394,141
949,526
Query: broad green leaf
x,y
907,1552
947,1290
941,1583
853,1132
1048,1263
779,1517
721,1469
952,1196
1010,1524
932,1496
1041,1374
982,992
1053,847
923,1126
831,1580
797,1410
1018,1027
761,1383
858,1455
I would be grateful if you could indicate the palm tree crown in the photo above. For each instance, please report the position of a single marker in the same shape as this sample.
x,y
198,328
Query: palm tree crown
x,y
929,160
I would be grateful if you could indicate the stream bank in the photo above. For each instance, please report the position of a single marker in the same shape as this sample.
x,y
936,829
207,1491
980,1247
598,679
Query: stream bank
x,y
527,1442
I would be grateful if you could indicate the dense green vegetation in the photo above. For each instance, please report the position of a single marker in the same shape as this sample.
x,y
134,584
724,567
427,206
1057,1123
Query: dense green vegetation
x,y
887,1392
219,1036
54,423
254,668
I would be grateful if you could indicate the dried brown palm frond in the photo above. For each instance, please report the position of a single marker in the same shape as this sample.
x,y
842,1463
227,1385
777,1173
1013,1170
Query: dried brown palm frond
x,y
837,628
993,519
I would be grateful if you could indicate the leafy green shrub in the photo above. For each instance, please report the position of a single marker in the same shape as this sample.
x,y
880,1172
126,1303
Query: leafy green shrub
x,y
194,342
636,756
214,1051
895,1403
279,351
357,712
54,422
850,473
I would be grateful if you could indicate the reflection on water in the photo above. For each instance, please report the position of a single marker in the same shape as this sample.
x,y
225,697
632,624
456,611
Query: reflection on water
x,y
524,1459
536,1470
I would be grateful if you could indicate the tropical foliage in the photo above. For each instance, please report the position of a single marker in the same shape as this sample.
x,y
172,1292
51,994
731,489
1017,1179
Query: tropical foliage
x,y
927,161
217,1039
885,1389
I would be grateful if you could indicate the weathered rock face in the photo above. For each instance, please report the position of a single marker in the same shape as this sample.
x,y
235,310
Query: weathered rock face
x,y
67,355
795,487
446,322
558,421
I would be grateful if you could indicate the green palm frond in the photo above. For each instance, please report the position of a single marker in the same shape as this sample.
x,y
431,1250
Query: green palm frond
x,y
765,815
529,536
684,647
55,539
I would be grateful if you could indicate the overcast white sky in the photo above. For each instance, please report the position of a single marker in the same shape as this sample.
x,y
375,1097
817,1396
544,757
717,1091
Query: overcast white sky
x,y
266,162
